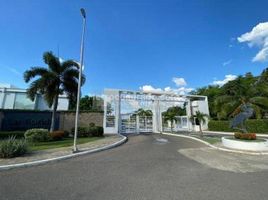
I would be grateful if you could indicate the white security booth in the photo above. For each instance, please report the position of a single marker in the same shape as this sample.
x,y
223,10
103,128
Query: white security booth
x,y
128,112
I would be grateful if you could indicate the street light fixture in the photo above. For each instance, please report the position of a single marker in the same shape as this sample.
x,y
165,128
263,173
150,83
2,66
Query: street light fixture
x,y
83,12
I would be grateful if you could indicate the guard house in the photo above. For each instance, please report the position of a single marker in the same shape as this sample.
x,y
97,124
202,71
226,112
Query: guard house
x,y
128,112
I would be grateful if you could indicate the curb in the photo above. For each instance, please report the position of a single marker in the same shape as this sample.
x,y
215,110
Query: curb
x,y
218,148
39,162
232,133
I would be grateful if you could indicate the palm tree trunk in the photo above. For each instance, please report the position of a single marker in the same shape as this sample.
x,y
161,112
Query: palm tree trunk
x,y
55,105
200,129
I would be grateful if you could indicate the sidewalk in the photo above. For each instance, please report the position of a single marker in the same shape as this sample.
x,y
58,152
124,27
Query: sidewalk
x,y
59,152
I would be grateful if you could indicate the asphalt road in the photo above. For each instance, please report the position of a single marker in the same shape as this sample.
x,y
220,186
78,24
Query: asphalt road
x,y
146,167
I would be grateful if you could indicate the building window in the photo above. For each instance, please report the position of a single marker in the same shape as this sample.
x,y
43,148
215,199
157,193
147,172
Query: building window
x,y
9,100
23,102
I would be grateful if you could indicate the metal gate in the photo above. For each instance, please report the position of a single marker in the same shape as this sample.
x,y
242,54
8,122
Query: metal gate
x,y
181,124
136,124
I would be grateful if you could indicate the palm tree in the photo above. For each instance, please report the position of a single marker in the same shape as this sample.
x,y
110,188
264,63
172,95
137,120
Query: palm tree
x,y
172,113
169,117
201,119
144,114
243,90
58,78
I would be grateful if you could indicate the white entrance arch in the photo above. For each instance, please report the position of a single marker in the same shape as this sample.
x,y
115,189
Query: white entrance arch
x,y
121,107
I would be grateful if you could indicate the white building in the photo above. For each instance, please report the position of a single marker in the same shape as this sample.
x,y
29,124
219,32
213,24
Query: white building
x,y
15,98
120,107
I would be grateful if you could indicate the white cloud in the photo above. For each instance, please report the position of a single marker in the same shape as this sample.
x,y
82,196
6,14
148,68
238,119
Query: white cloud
x,y
228,62
167,89
258,36
180,90
149,88
179,81
183,90
229,77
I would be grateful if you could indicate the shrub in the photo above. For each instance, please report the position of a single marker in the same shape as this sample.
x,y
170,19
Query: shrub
x,y
95,131
252,125
245,136
13,147
98,131
7,134
57,135
81,131
66,133
37,135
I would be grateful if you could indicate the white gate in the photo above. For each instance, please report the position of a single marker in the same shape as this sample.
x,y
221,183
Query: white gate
x,y
136,124
181,124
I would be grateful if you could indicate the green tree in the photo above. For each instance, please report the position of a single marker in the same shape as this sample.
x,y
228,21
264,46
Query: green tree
x,y
201,119
212,92
92,103
171,115
58,78
243,90
143,114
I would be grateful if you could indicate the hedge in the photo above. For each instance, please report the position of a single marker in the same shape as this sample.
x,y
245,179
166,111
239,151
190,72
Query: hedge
x,y
252,125
92,130
7,134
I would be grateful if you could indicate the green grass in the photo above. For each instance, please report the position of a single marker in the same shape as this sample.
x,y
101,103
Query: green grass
x,y
62,143
211,140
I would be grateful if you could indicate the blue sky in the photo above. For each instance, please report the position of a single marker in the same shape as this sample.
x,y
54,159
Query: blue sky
x,y
158,44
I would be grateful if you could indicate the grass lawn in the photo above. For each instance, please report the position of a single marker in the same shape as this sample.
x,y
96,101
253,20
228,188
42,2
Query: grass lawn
x,y
61,143
211,140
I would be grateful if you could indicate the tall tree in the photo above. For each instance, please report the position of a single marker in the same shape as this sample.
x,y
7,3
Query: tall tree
x,y
241,91
201,119
58,78
212,92
171,115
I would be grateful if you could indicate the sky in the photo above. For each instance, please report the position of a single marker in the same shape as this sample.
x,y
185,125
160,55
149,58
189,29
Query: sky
x,y
150,45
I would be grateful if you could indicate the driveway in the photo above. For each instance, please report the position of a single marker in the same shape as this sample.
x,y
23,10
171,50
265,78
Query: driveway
x,y
146,167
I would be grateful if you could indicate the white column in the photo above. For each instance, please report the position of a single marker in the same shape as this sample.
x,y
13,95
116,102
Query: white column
x,y
113,97
157,125
137,124
189,114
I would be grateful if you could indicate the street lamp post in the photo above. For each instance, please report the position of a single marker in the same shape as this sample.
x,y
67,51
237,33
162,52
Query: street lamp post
x,y
83,12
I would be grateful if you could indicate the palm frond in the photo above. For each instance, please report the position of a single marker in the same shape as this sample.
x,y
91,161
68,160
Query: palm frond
x,y
33,72
260,101
52,61
37,86
69,64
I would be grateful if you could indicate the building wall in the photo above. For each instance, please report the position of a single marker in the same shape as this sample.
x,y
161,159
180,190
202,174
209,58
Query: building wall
x,y
13,98
13,120
67,119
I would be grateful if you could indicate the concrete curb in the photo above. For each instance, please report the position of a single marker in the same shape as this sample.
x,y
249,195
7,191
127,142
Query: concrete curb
x,y
232,133
39,162
218,148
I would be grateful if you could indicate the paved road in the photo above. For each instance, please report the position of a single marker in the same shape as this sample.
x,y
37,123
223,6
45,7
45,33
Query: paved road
x,y
143,168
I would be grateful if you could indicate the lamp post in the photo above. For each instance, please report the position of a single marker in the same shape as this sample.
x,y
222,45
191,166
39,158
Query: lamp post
x,y
83,12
